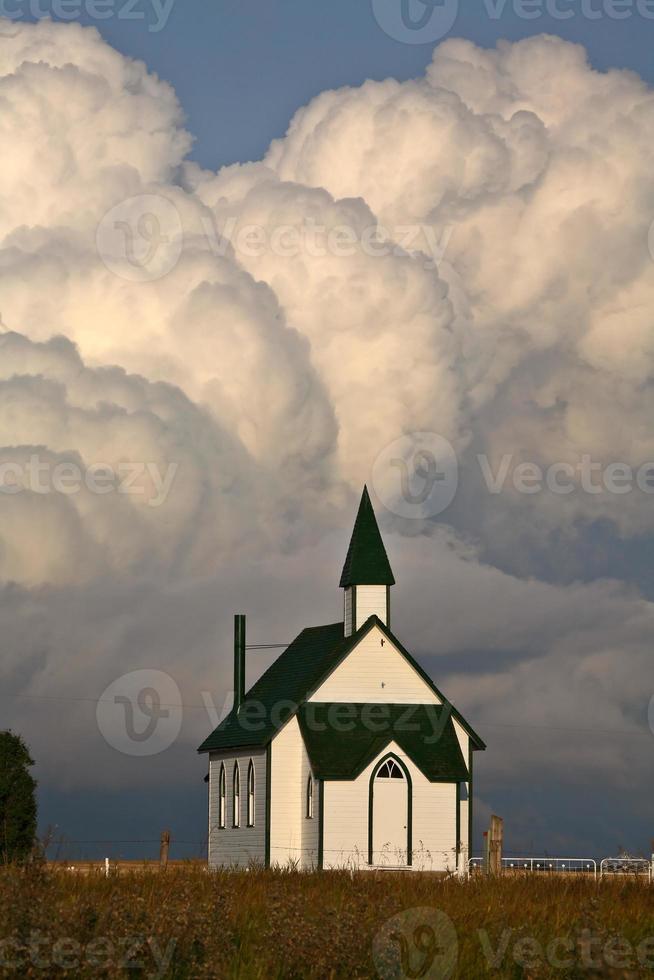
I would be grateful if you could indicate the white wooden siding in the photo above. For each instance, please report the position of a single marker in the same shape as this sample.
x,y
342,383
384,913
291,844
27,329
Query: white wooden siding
x,y
293,837
346,804
434,824
347,612
286,795
370,599
237,846
375,672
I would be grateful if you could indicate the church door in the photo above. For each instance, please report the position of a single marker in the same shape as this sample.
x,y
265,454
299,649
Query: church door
x,y
389,800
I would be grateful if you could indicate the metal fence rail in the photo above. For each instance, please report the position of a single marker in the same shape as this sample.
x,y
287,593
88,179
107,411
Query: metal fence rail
x,y
541,865
608,867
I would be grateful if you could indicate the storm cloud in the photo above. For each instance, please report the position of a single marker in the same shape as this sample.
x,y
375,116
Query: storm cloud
x,y
465,254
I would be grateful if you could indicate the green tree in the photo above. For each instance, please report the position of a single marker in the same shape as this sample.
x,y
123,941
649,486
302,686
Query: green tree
x,y
17,799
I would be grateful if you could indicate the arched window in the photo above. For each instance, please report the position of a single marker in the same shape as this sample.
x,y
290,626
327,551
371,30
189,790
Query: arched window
x,y
251,794
310,797
236,821
390,770
221,796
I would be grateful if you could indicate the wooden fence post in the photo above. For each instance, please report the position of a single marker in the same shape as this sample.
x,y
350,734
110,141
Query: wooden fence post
x,y
495,841
163,848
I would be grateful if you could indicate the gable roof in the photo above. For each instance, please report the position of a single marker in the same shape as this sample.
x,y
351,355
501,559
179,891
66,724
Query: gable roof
x,y
296,671
294,677
342,739
366,562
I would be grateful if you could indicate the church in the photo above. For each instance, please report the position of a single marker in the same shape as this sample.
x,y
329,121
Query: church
x,y
344,754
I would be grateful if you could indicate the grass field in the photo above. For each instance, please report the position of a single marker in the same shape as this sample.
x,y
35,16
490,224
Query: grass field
x,y
186,922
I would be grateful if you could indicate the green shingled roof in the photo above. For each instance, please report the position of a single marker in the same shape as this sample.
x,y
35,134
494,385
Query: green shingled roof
x,y
366,562
342,739
286,682
293,678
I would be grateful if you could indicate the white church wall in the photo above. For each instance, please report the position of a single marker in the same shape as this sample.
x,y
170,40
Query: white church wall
x,y
347,612
345,826
434,823
370,600
286,795
237,846
375,672
346,806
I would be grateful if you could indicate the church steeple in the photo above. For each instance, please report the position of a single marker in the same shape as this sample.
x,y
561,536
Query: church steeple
x,y
366,575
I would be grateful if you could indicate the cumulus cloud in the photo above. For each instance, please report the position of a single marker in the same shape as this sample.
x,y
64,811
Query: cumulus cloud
x,y
464,253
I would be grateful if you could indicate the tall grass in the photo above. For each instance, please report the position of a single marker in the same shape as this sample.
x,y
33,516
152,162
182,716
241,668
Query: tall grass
x,y
188,922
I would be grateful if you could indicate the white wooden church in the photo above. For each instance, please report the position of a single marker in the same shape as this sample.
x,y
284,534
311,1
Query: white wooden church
x,y
344,753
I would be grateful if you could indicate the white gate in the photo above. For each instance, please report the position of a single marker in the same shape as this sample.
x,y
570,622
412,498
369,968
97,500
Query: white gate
x,y
634,867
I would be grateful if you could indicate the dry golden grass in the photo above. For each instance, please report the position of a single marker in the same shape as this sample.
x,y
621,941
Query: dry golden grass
x,y
187,922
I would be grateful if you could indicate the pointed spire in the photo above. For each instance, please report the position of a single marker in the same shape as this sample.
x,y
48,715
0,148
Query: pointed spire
x,y
366,562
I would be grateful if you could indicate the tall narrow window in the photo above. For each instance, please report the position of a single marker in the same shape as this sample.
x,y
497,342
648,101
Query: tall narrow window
x,y
221,796
251,794
236,821
309,797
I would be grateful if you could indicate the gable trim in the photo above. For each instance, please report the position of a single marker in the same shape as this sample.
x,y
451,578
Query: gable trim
x,y
266,859
458,824
470,803
321,822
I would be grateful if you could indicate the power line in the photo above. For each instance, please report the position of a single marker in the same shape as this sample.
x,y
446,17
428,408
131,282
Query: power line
x,y
173,840
267,646
56,697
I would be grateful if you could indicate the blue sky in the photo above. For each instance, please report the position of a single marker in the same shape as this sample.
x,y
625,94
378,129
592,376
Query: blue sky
x,y
242,67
